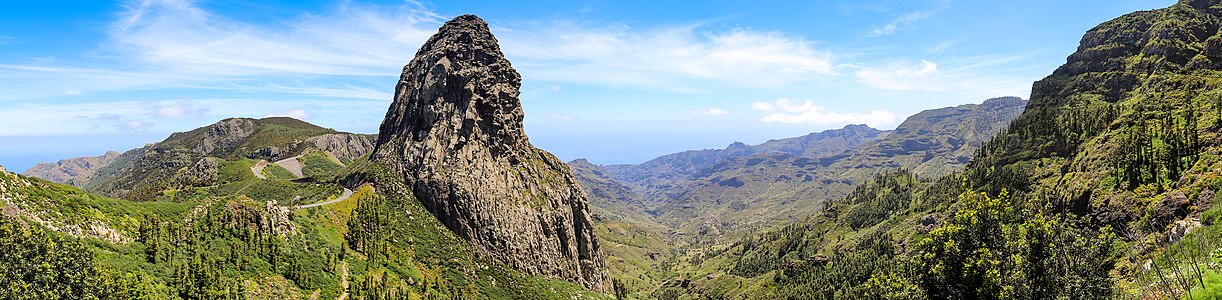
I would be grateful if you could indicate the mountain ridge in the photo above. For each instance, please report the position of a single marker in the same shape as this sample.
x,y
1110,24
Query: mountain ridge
x,y
189,158
785,178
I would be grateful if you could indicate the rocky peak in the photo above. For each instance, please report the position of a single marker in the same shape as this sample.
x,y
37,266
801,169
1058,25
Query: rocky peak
x,y
738,146
454,131
459,70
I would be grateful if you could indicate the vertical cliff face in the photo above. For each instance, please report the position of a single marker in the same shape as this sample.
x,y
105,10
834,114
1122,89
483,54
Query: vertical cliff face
x,y
454,131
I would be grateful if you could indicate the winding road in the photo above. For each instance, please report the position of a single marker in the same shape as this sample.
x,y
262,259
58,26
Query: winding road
x,y
258,170
347,194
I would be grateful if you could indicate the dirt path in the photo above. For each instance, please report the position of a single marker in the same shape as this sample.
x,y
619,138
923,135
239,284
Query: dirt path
x,y
344,283
347,194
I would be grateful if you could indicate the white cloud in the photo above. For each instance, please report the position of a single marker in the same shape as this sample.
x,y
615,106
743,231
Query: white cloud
x,y
297,113
903,21
943,46
178,110
965,77
711,112
763,106
339,91
677,57
104,117
787,111
353,39
561,117
134,125
897,77
54,118
177,43
362,40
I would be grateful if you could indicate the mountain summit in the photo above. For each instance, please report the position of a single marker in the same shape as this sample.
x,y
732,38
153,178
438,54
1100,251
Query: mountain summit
x,y
454,132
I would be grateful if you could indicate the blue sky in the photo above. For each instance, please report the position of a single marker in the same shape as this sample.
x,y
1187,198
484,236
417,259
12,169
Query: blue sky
x,y
612,81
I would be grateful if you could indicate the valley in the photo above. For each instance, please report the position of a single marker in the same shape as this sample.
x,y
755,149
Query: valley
x,y
1102,185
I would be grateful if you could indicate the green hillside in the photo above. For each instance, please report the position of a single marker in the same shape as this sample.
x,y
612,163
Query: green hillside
x,y
1103,188
234,246
194,158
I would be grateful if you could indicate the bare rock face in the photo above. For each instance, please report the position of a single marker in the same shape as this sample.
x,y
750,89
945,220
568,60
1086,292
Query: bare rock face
x,y
455,133
344,145
226,134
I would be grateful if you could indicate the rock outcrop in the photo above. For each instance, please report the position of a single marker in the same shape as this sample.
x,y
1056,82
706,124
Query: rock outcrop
x,y
454,132
344,145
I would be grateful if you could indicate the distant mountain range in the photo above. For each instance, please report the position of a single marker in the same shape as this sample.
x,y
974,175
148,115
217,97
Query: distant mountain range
x,y
1104,185
746,186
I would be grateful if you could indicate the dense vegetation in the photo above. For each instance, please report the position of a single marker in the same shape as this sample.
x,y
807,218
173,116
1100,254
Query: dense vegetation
x,y
1105,187
230,241
193,158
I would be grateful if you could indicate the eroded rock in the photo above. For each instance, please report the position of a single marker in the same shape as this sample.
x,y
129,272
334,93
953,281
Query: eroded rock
x,y
454,132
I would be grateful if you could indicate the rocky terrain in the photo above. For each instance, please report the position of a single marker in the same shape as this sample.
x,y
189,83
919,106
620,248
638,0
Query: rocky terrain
x,y
72,171
934,142
1104,187
748,186
454,132
187,159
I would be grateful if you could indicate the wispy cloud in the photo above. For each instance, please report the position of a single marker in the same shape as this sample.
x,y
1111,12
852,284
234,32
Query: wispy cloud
x,y
962,75
561,117
295,113
788,111
669,57
157,44
351,50
901,22
709,112
366,40
942,47
134,125
897,77
53,118
164,44
178,110
349,91
354,39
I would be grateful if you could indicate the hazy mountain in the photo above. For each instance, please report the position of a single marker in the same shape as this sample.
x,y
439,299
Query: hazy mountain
x,y
1104,185
72,171
933,142
706,191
